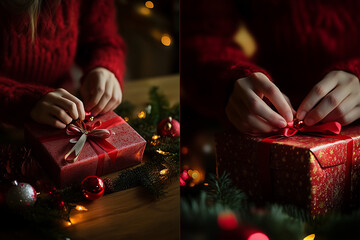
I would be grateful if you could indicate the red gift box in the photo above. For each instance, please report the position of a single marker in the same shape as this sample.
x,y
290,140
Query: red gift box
x,y
122,149
312,172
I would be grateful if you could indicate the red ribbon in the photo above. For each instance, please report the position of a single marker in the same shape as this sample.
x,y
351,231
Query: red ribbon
x,y
327,130
100,145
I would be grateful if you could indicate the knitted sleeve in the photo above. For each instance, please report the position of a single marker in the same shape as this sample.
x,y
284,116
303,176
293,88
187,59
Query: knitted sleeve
x,y
211,61
351,66
17,100
99,43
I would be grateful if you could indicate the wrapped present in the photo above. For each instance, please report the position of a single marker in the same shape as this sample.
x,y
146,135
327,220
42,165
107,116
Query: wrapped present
x,y
104,145
316,168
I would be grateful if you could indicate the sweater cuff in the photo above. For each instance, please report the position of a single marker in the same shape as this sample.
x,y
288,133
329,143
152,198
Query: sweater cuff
x,y
351,66
240,71
22,100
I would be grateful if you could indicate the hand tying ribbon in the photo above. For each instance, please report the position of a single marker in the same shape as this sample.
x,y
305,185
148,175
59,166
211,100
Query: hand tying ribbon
x,y
86,132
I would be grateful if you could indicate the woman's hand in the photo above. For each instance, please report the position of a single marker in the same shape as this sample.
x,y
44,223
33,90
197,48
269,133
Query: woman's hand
x,y
101,91
57,109
335,98
247,110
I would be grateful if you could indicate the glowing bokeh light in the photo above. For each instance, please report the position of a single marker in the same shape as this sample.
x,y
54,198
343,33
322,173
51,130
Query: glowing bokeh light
x,y
149,4
227,220
141,114
258,236
310,237
144,11
166,39
164,171
80,208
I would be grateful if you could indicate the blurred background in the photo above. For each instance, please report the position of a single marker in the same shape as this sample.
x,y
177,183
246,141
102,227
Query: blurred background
x,y
151,32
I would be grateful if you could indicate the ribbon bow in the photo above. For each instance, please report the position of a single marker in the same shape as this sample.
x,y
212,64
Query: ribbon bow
x,y
91,132
330,128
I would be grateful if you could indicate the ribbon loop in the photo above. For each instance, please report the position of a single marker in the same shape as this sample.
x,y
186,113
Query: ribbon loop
x,y
93,132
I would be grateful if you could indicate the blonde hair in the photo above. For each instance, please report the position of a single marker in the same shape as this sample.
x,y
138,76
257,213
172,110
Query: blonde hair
x,y
31,7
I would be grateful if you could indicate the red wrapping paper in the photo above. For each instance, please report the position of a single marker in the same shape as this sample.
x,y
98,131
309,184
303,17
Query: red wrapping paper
x,y
50,152
306,171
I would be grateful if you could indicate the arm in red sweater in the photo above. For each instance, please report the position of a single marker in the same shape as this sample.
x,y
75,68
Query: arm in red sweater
x,y
210,59
17,100
351,66
99,43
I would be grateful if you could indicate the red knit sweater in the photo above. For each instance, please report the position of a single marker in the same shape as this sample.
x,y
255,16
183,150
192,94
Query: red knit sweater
x,y
298,42
81,31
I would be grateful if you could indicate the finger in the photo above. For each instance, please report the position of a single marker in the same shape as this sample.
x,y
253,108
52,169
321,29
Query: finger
x,y
112,104
258,107
60,114
288,101
253,123
52,121
118,95
273,93
78,103
327,105
352,116
319,91
106,97
96,93
343,109
64,103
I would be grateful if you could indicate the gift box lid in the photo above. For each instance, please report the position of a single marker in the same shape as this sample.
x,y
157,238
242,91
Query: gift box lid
x,y
329,152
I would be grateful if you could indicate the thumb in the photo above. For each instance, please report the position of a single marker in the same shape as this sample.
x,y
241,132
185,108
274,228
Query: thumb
x,y
288,101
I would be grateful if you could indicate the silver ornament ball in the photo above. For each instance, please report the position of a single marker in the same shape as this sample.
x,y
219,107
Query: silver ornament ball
x,y
21,195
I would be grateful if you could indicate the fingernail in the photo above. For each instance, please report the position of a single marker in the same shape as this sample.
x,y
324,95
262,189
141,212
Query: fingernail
x,y
282,123
289,117
300,115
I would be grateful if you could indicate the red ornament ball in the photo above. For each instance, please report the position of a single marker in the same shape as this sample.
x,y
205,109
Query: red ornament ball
x,y
169,127
92,187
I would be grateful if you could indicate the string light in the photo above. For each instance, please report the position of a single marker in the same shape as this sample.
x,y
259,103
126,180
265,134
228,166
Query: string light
x,y
195,174
155,140
80,208
206,184
258,236
162,152
126,119
68,223
149,4
310,237
164,171
155,137
141,114
166,39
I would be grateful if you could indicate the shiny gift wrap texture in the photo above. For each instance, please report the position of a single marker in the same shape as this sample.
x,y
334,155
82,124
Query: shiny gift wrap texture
x,y
306,171
50,145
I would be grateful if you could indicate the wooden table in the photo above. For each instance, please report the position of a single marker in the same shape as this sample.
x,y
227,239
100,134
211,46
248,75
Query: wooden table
x,y
131,214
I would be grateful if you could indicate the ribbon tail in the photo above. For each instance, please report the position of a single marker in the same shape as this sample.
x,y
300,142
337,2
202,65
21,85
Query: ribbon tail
x,y
75,151
108,148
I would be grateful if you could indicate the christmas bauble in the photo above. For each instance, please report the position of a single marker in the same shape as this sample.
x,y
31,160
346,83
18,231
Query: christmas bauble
x,y
21,195
169,127
92,187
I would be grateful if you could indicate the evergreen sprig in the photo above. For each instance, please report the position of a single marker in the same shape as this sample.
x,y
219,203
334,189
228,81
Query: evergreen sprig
x,y
281,222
